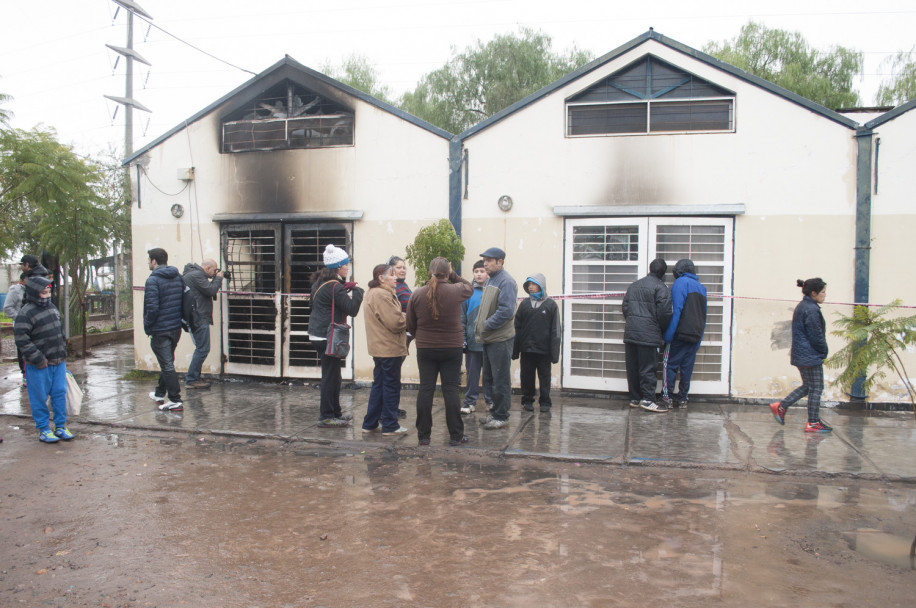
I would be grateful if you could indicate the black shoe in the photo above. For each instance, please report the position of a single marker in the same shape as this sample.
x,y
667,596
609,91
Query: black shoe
x,y
402,413
457,442
423,442
545,409
528,407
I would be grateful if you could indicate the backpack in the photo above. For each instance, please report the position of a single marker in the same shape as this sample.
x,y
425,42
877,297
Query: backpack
x,y
190,318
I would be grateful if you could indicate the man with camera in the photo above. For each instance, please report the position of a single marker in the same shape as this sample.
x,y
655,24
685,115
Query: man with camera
x,y
203,283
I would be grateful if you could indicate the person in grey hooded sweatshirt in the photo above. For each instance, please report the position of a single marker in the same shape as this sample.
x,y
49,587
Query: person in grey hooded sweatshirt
x,y
537,341
204,281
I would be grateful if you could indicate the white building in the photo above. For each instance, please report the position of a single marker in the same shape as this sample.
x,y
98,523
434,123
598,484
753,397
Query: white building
x,y
653,150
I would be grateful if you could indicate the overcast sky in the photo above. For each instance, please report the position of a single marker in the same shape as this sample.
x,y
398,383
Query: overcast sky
x,y
54,63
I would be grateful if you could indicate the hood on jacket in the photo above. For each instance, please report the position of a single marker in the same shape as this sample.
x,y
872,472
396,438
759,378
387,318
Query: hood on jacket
x,y
34,286
684,266
539,280
192,267
165,272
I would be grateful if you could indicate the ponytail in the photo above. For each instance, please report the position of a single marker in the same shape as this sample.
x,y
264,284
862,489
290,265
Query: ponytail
x,y
815,285
438,270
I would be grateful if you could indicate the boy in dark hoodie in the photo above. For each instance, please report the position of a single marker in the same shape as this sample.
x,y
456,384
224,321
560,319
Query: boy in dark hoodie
x,y
40,337
684,333
537,341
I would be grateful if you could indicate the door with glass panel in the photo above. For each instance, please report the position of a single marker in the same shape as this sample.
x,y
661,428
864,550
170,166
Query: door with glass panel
x,y
603,257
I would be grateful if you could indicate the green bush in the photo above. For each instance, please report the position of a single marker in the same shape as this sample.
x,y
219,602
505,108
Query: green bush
x,y
431,242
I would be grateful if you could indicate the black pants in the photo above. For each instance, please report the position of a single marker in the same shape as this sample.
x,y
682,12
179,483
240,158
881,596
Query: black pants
x,y
531,364
642,363
330,385
444,363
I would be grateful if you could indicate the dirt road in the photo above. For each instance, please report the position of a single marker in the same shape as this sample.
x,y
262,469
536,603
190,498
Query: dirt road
x,y
133,518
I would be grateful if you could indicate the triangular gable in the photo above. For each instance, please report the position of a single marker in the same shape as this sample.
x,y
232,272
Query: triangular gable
x,y
672,44
288,69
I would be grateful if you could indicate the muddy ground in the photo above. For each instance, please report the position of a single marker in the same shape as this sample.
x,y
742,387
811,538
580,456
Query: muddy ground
x,y
137,518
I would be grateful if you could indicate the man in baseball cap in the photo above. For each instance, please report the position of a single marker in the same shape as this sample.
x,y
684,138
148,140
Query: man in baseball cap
x,y
495,329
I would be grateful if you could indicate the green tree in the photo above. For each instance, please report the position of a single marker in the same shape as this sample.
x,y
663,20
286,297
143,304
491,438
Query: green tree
x,y
51,200
874,344
901,87
786,59
488,77
431,242
360,74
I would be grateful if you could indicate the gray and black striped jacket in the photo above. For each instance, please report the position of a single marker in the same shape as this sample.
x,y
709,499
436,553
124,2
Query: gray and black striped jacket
x,y
38,331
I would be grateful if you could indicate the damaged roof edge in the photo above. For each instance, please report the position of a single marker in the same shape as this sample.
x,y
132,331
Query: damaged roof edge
x,y
677,46
288,61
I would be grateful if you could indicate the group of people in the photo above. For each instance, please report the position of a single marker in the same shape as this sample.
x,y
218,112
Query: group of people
x,y
675,319
656,317
447,317
173,302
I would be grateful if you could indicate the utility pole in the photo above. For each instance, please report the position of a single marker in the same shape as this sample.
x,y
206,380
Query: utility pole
x,y
129,104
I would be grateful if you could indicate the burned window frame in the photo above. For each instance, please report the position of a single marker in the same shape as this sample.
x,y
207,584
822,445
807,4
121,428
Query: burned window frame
x,y
287,116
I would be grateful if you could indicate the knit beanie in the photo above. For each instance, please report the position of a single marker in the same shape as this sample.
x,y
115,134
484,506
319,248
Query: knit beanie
x,y
334,257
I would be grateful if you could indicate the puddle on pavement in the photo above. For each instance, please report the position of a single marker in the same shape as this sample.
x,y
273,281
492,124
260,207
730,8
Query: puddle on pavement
x,y
887,548
430,531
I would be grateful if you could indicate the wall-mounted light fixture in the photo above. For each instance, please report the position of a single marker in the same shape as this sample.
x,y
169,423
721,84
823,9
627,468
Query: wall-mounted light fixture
x,y
505,202
177,211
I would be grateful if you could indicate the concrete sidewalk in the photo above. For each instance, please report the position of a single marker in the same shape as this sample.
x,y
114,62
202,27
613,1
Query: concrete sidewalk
x,y
864,444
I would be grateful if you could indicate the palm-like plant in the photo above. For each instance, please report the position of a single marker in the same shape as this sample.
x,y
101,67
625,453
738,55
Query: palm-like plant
x,y
873,345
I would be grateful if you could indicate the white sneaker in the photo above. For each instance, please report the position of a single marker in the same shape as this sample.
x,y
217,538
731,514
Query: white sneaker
x,y
400,431
172,406
156,397
468,409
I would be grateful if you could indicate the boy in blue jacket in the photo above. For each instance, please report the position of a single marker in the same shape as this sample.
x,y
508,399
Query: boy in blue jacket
x,y
473,361
684,333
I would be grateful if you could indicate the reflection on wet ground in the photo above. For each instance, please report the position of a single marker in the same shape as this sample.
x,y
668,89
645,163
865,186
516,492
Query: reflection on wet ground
x,y
712,435
236,521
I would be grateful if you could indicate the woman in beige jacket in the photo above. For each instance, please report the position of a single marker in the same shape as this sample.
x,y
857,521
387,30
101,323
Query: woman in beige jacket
x,y
386,334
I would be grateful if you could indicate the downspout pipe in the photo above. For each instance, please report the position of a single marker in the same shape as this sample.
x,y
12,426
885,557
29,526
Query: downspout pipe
x,y
454,184
863,231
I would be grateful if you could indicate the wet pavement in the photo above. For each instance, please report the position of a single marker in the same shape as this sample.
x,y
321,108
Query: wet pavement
x,y
707,435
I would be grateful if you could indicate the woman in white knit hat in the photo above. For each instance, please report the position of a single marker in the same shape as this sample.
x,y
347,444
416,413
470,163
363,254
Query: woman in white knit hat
x,y
330,285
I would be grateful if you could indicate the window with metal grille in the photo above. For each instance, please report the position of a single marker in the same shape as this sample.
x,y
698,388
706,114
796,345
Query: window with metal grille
x,y
650,96
250,255
287,116
604,257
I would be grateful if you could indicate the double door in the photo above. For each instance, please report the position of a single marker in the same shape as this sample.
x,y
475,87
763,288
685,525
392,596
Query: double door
x,y
604,256
266,308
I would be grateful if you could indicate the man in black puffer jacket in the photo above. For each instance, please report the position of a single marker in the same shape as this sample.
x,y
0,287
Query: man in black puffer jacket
x,y
162,323
647,312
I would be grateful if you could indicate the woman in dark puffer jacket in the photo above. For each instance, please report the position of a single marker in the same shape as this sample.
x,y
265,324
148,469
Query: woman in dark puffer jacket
x,y
809,349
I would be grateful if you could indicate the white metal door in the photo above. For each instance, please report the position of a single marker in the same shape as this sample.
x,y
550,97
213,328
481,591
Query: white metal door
x,y
603,257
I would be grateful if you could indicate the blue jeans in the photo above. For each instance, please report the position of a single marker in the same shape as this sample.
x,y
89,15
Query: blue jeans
x,y
497,359
385,395
52,381
473,362
201,339
678,355
163,346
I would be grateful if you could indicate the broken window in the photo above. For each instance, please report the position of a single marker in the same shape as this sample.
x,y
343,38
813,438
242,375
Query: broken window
x,y
288,116
650,96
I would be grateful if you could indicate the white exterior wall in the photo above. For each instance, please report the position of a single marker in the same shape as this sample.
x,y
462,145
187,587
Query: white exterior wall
x,y
794,171
396,173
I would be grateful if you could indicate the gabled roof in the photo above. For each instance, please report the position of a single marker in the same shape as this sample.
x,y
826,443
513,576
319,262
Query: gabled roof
x,y
293,70
891,115
677,46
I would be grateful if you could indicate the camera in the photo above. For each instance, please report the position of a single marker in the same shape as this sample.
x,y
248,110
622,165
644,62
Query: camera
x,y
227,275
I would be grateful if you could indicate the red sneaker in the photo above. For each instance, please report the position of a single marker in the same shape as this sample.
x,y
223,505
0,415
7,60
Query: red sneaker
x,y
779,412
817,427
